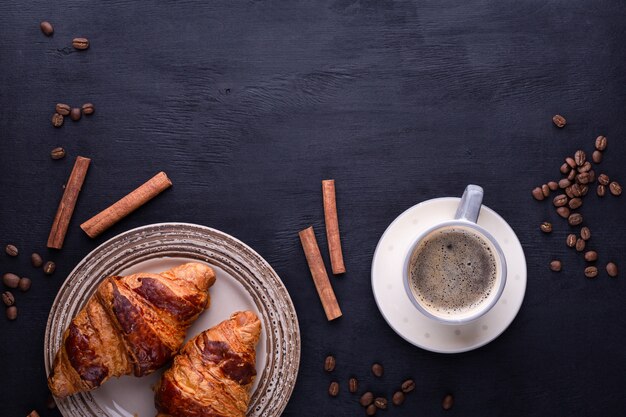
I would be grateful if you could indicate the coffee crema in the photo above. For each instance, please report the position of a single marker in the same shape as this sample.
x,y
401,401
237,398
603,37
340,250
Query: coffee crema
x,y
452,271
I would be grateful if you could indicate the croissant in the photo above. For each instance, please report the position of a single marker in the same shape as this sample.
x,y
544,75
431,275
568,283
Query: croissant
x,y
130,325
213,372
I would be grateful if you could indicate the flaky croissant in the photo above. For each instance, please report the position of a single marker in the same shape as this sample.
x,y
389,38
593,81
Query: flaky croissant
x,y
132,324
213,372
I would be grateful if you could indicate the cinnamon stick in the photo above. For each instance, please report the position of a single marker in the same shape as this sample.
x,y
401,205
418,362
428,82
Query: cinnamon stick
x,y
68,202
332,227
122,208
318,272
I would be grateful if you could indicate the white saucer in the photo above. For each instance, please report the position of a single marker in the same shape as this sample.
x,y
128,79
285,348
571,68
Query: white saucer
x,y
401,314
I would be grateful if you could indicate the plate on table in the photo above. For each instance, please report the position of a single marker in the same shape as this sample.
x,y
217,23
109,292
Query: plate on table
x,y
245,281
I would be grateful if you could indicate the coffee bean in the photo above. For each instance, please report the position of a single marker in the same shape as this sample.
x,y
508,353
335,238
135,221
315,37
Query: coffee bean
x,y
572,175
563,212
596,157
46,28
448,402
553,185
576,190
398,398
35,260
378,370
80,43
592,176
381,403
556,265
57,120
537,193
57,153
564,183
568,192
24,284
580,157
75,114
366,399
88,109
11,250
601,190
559,120
584,189
560,200
10,280
591,272
611,269
585,233
565,168
408,386
571,240
601,143
49,268
333,389
586,167
580,245
603,179
571,162
63,109
371,410
615,188
546,227
582,178
574,203
12,313
545,190
8,299
329,363
353,385
591,256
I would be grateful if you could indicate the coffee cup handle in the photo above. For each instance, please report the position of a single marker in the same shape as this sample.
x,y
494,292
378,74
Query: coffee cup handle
x,y
469,206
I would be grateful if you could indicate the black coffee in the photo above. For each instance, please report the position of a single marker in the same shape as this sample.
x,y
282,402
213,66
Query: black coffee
x,y
452,271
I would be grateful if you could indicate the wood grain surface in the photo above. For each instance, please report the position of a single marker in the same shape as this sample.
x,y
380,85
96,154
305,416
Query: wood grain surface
x,y
248,105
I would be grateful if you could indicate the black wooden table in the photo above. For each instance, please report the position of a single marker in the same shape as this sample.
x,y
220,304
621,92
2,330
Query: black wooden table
x,y
249,105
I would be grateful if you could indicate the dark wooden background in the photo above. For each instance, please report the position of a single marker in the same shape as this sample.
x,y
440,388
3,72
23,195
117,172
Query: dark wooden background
x,y
248,105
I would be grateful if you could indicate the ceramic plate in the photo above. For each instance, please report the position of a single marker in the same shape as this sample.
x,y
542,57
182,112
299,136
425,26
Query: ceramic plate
x,y
245,281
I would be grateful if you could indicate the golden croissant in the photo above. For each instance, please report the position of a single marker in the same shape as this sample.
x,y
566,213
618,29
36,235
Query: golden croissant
x,y
131,325
213,373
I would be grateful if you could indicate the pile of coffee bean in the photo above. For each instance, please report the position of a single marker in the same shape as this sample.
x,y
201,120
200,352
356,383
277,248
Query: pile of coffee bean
x,y
578,176
61,110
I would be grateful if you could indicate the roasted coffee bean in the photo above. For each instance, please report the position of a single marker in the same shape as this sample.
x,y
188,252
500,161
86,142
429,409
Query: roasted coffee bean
x,y
603,179
564,183
329,363
546,227
553,185
12,313
585,233
615,188
563,212
571,162
353,385
381,403
63,109
556,265
333,389
398,398
574,203
49,268
580,245
75,114
57,120
591,272
11,250
576,190
596,157
560,200
46,28
80,43
366,399
8,299
371,410
35,260
448,402
571,240
568,192
591,256
378,370
582,178
592,176
584,189
88,109
572,175
10,280
580,157
57,153
558,120
601,143
408,386
24,284
601,190
537,193
565,168
586,167
545,190
611,269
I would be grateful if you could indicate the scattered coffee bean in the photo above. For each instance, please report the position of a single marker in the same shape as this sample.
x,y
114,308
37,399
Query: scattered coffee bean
x,y
381,403
546,227
448,402
591,272
601,190
563,212
49,268
545,190
35,260
353,385
57,153
50,403
582,178
576,190
333,389
537,193
591,256
603,179
601,143
611,269
46,28
580,157
560,200
586,167
580,245
80,43
366,399
584,189
57,120
571,175
571,162
8,299
371,410
63,109
575,202
615,188
11,250
88,109
571,240
10,280
75,114
564,183
24,284
378,370
398,398
558,120
408,386
596,157
12,313
556,265
565,168
585,233
592,176
553,185
568,192
329,363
